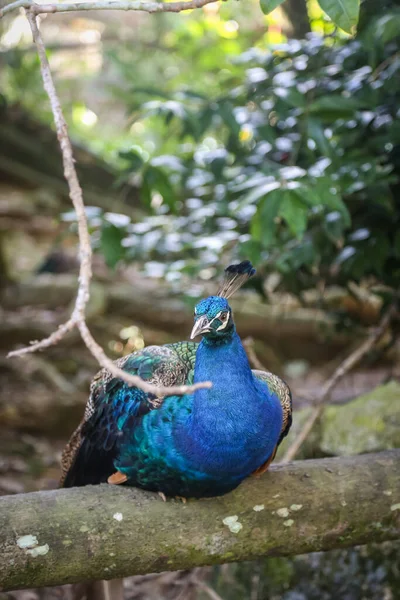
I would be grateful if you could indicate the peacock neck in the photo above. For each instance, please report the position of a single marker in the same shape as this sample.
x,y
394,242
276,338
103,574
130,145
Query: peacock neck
x,y
224,362
212,341
227,423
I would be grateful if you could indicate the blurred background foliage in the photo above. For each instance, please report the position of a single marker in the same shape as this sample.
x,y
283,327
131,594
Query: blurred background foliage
x,y
244,141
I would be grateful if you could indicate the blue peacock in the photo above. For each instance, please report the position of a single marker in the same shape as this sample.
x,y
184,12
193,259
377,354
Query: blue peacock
x,y
195,445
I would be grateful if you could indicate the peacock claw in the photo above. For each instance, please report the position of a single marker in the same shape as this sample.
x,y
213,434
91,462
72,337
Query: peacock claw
x,y
162,496
117,478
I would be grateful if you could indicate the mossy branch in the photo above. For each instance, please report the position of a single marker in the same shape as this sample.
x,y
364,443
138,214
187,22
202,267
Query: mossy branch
x,y
77,534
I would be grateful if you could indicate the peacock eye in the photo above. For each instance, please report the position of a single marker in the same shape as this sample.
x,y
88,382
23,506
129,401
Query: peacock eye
x,y
224,316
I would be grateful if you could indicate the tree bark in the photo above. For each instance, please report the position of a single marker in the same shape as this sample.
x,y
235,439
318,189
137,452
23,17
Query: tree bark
x,y
296,11
64,536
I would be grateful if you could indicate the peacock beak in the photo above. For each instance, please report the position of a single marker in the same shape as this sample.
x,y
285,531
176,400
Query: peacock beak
x,y
201,326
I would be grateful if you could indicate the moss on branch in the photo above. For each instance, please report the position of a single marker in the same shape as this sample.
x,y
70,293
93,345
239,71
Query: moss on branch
x,y
62,536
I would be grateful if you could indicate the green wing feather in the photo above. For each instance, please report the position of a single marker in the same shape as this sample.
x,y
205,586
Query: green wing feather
x,y
281,389
112,402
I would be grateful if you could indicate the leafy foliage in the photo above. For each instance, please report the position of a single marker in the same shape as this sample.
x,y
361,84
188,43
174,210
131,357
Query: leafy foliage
x,y
344,13
296,167
287,154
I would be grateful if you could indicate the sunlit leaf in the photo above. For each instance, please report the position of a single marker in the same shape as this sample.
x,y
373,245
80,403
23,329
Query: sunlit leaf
x,y
268,6
344,13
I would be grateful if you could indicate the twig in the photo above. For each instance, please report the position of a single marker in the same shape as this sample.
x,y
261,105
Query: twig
x,y
248,343
388,61
77,318
54,338
106,362
141,5
339,373
211,593
51,373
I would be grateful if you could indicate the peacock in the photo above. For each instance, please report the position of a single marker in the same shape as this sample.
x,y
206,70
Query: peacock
x,y
196,445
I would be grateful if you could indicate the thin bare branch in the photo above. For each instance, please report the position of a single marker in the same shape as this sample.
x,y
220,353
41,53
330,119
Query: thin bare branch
x,y
107,363
211,593
139,5
77,318
54,338
251,353
349,363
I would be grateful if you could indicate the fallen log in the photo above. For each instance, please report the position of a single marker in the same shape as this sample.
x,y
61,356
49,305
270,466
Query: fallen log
x,y
155,305
63,536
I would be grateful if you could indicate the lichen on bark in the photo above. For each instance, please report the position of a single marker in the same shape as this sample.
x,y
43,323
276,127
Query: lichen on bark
x,y
342,503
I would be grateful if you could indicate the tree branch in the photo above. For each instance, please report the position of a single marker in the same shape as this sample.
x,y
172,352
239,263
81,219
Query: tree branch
x,y
349,363
139,5
248,343
77,318
81,534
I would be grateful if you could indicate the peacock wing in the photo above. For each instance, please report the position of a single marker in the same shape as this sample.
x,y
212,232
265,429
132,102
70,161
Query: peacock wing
x,y
281,389
113,406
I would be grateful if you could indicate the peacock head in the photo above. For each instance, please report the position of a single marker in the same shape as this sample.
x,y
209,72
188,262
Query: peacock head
x,y
213,316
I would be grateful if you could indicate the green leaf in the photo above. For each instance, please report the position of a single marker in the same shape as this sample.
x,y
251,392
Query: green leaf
x,y
263,225
387,28
251,250
261,191
335,106
344,13
295,213
110,244
133,158
323,193
156,180
267,6
334,228
226,113
316,133
379,32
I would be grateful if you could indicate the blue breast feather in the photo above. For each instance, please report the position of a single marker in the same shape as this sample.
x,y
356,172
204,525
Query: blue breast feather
x,y
208,442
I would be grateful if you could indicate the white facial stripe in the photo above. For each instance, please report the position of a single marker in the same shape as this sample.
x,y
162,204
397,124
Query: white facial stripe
x,y
224,324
